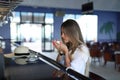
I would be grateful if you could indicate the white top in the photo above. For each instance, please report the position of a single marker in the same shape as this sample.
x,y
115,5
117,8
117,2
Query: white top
x,y
79,59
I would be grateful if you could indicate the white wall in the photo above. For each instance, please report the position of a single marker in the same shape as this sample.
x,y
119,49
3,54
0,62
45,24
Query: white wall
x,y
107,5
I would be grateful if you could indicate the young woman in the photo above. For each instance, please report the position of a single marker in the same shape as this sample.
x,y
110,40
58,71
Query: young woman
x,y
73,52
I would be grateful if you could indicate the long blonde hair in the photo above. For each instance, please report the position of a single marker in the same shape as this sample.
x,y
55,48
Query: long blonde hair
x,y
72,30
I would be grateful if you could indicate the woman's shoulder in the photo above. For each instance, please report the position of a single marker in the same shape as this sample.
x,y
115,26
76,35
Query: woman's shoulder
x,y
84,50
81,52
83,47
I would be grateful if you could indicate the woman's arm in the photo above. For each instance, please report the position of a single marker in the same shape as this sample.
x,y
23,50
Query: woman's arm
x,y
67,59
58,58
62,48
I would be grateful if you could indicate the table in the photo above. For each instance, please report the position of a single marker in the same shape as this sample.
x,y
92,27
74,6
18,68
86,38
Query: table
x,y
30,71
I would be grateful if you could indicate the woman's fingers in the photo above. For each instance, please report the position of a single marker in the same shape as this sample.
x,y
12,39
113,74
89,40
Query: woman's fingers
x,y
60,46
56,44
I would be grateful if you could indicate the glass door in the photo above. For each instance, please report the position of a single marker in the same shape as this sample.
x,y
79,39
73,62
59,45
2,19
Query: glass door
x,y
47,37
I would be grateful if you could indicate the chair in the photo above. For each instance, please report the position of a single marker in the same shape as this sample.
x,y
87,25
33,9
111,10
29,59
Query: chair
x,y
107,57
94,76
108,53
95,52
117,60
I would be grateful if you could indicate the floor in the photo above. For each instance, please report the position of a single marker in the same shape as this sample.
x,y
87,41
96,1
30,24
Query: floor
x,y
108,72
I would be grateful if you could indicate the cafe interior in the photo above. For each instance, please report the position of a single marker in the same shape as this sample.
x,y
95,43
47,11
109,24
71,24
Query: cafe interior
x,y
34,24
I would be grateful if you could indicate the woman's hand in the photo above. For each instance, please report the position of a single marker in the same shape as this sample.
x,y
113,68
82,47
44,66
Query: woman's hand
x,y
60,46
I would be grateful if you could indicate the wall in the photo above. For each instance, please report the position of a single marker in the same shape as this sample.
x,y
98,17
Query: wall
x,y
5,33
118,27
57,24
103,16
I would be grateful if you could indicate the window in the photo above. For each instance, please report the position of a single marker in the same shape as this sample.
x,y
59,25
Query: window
x,y
26,17
33,28
88,25
38,18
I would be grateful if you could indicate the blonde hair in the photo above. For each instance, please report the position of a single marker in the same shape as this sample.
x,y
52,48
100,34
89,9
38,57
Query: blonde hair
x,y
72,30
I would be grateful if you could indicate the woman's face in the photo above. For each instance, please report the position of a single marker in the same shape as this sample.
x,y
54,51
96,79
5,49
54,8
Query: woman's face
x,y
64,36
